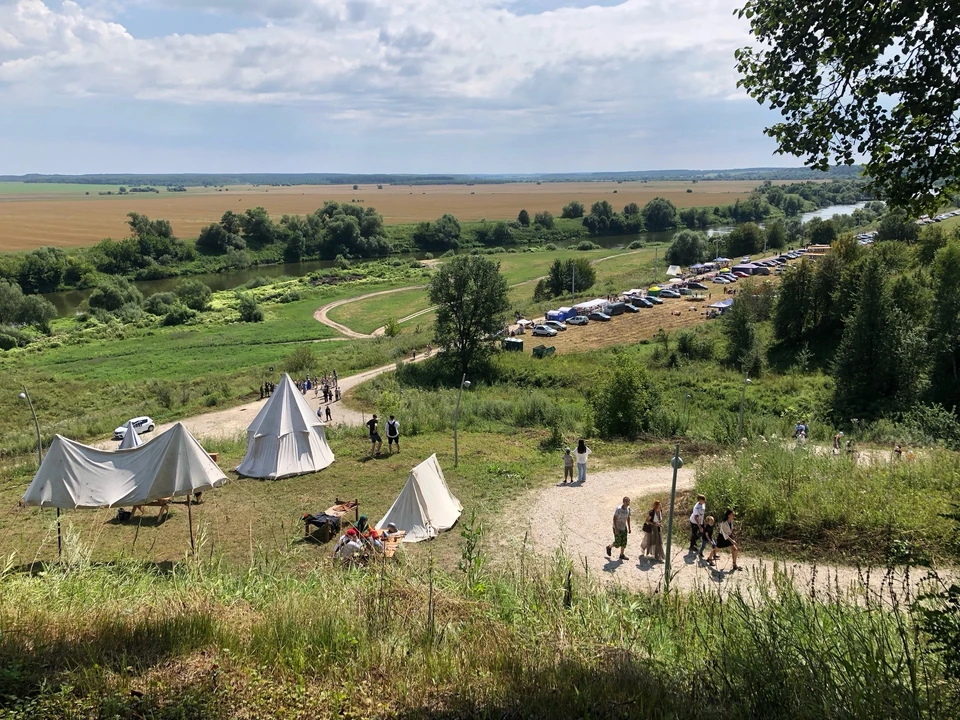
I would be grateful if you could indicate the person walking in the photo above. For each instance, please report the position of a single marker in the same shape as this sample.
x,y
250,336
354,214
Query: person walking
x,y
837,439
725,539
621,528
376,442
652,544
393,435
696,521
583,452
567,466
708,528
329,415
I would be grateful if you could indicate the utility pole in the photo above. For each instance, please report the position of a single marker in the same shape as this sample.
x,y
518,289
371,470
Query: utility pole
x,y
677,463
573,284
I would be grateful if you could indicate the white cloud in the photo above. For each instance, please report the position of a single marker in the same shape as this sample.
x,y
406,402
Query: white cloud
x,y
383,57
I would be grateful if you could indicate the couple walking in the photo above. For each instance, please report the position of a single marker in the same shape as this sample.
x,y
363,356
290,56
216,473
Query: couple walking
x,y
652,543
702,529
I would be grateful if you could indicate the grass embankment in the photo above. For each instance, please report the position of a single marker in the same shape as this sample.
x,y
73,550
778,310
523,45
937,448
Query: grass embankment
x,y
91,376
202,641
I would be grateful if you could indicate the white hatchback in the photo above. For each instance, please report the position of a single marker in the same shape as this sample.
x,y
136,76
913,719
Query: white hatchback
x,y
141,424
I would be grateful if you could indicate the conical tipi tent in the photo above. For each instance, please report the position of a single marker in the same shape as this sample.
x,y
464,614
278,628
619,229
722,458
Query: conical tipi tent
x,y
286,438
75,476
130,437
425,506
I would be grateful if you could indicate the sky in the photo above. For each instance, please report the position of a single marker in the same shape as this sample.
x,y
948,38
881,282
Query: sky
x,y
363,86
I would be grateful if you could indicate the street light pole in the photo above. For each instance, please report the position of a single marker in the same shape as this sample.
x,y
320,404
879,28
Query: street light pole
x,y
743,396
464,383
686,399
25,395
677,463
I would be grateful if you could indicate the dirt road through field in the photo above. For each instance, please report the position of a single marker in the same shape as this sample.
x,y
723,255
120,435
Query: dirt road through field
x,y
578,519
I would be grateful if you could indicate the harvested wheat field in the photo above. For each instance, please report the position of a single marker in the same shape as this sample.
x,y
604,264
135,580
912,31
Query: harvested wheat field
x,y
72,219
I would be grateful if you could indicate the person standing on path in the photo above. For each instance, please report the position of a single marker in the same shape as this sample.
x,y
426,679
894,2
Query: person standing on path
x,y
393,435
621,528
652,544
567,466
376,442
329,415
696,521
583,452
725,539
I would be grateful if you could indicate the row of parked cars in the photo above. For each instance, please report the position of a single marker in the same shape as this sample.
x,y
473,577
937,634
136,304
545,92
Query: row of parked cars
x,y
927,220
632,304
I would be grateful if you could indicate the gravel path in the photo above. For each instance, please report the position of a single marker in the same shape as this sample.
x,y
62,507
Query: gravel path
x,y
322,314
578,519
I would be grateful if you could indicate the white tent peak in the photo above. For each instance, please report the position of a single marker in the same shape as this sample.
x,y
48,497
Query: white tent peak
x,y
425,506
74,475
286,437
130,437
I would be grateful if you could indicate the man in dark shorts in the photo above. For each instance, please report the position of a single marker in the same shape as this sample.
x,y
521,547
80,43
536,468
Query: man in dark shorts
x,y
376,442
393,435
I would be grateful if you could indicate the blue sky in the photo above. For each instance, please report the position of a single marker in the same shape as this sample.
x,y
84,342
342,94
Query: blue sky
x,y
481,86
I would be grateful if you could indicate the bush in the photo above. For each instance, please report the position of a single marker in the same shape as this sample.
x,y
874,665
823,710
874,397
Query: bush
x,y
693,347
160,304
113,294
258,281
249,309
301,360
178,315
392,329
550,247
194,294
587,245
11,338
341,263
291,296
635,245
624,402
428,256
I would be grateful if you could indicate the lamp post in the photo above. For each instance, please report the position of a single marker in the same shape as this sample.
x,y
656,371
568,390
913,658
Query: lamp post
x,y
743,396
25,395
464,383
686,421
676,463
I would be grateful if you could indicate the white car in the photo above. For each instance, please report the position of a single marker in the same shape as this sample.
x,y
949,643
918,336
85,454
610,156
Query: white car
x,y
141,424
555,324
544,331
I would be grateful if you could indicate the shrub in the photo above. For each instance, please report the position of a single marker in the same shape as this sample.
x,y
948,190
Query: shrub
x,y
194,294
113,294
550,247
178,315
392,329
428,256
635,245
291,296
11,337
160,304
587,245
258,281
249,309
341,263
301,360
624,402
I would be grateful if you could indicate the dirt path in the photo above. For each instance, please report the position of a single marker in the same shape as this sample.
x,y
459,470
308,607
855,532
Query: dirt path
x,y
322,314
578,519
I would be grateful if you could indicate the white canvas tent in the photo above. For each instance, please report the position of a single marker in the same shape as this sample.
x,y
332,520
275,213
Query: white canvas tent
x,y
130,437
425,506
76,476
285,438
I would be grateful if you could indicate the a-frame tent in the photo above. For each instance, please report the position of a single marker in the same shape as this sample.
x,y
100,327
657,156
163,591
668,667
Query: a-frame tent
x,y
77,476
286,437
425,506
130,437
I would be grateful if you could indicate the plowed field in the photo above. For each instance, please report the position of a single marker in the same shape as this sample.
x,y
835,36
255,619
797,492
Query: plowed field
x,y
71,219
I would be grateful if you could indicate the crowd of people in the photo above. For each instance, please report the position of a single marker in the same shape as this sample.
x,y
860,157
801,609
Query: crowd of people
x,y
361,540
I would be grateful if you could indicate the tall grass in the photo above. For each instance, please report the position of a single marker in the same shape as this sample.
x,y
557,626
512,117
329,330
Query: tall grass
x,y
885,509
527,641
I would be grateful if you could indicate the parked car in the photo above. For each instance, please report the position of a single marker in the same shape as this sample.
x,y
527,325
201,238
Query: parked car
x,y
642,302
578,320
544,331
630,308
721,280
141,424
730,276
655,300
599,316
669,294
745,259
555,324
696,286
613,309
741,274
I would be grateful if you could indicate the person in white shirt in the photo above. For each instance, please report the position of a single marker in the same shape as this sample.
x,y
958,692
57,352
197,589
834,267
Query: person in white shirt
x,y
347,546
696,521
621,528
583,452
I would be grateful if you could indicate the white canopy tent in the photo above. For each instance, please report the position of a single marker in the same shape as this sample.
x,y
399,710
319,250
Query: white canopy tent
x,y
425,506
130,437
75,476
286,437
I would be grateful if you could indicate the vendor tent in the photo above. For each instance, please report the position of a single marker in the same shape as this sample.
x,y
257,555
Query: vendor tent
x,y
674,270
655,291
75,476
425,506
590,305
567,312
130,437
285,438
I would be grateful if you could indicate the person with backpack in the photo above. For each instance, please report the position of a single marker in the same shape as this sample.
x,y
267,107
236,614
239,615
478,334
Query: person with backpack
x,y
393,435
621,528
725,540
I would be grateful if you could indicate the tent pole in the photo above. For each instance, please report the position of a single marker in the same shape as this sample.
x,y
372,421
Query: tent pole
x,y
193,549
59,538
